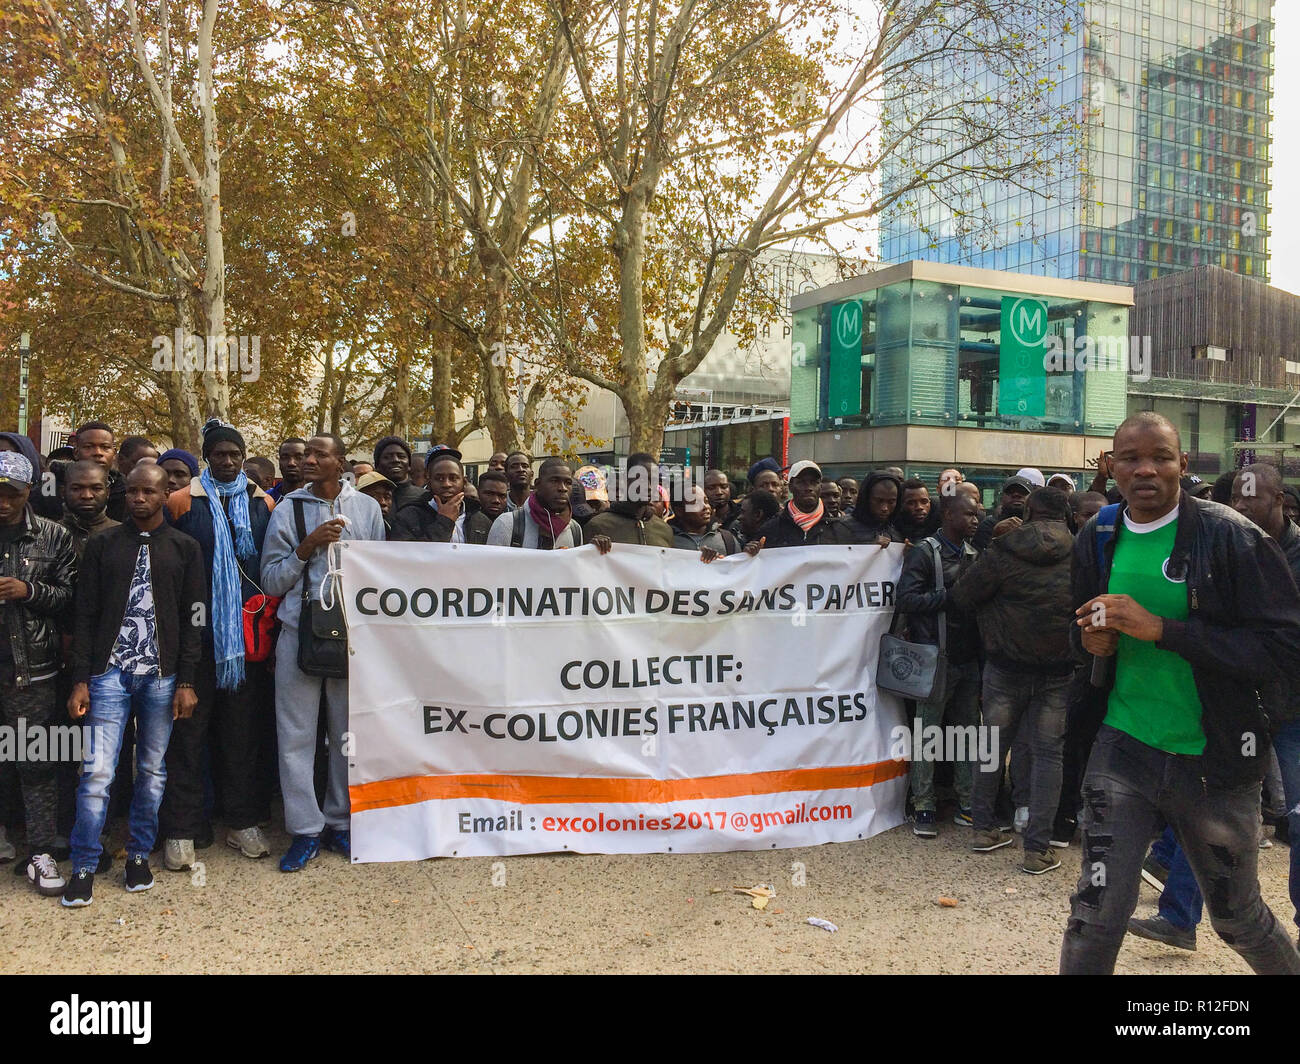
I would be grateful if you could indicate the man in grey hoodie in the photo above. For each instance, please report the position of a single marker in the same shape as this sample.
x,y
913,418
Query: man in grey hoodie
x,y
332,510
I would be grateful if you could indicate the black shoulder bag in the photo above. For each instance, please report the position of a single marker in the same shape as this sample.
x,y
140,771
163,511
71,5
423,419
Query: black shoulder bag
x,y
916,670
322,633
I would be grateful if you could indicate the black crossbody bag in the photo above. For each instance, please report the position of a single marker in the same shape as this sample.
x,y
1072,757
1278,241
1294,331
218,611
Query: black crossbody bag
x,y
916,670
322,632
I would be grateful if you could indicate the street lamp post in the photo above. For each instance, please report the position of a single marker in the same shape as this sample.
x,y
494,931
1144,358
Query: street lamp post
x,y
24,350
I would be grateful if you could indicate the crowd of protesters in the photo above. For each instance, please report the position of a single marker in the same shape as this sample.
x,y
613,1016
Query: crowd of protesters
x,y
1129,647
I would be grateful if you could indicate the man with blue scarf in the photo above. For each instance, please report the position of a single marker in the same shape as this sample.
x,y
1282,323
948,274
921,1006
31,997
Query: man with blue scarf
x,y
228,516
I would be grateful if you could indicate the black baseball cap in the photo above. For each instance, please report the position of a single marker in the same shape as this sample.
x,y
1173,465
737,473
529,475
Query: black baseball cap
x,y
440,450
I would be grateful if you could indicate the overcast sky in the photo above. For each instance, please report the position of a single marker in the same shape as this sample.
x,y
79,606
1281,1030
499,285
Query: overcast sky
x,y
1285,244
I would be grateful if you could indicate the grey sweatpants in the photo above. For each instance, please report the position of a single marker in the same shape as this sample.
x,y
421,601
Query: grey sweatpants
x,y
297,714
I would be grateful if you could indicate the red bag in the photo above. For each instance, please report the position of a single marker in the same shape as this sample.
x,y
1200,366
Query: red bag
x,y
260,626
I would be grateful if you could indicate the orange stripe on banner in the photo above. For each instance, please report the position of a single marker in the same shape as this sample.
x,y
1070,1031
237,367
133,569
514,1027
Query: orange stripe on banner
x,y
554,790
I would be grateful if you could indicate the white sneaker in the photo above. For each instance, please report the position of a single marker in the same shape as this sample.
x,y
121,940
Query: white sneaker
x,y
7,851
1021,820
43,874
178,854
248,841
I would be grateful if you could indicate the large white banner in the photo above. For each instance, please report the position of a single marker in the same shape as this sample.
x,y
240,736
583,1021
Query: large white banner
x,y
519,701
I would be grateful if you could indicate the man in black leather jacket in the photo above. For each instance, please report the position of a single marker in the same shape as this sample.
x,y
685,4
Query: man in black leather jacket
x,y
38,568
1190,753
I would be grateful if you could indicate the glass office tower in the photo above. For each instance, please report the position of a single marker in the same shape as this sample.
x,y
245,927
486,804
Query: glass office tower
x,y
1166,168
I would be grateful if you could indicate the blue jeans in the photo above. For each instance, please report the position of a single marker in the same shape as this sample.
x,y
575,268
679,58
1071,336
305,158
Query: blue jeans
x,y
113,696
1036,702
1180,902
1287,744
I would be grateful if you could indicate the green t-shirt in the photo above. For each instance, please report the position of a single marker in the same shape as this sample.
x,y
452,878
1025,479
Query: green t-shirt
x,y
1154,698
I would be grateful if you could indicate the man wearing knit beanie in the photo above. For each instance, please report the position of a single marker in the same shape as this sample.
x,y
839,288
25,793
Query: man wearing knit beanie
x,y
228,515
393,459
181,467
215,432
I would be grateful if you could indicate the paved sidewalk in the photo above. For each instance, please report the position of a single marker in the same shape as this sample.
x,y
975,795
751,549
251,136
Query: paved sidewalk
x,y
650,913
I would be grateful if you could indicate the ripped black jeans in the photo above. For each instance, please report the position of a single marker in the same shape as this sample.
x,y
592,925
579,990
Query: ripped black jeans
x,y
1131,791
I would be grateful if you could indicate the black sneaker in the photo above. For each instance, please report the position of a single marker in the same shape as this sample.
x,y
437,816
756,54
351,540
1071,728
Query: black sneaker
x,y
924,824
80,890
138,876
1158,929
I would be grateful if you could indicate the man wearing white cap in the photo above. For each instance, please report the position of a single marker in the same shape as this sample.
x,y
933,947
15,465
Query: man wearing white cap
x,y
1063,481
803,519
38,568
1034,476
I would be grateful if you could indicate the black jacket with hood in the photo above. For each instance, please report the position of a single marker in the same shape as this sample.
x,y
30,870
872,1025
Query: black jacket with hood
x,y
421,523
45,501
1242,631
1019,590
860,526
